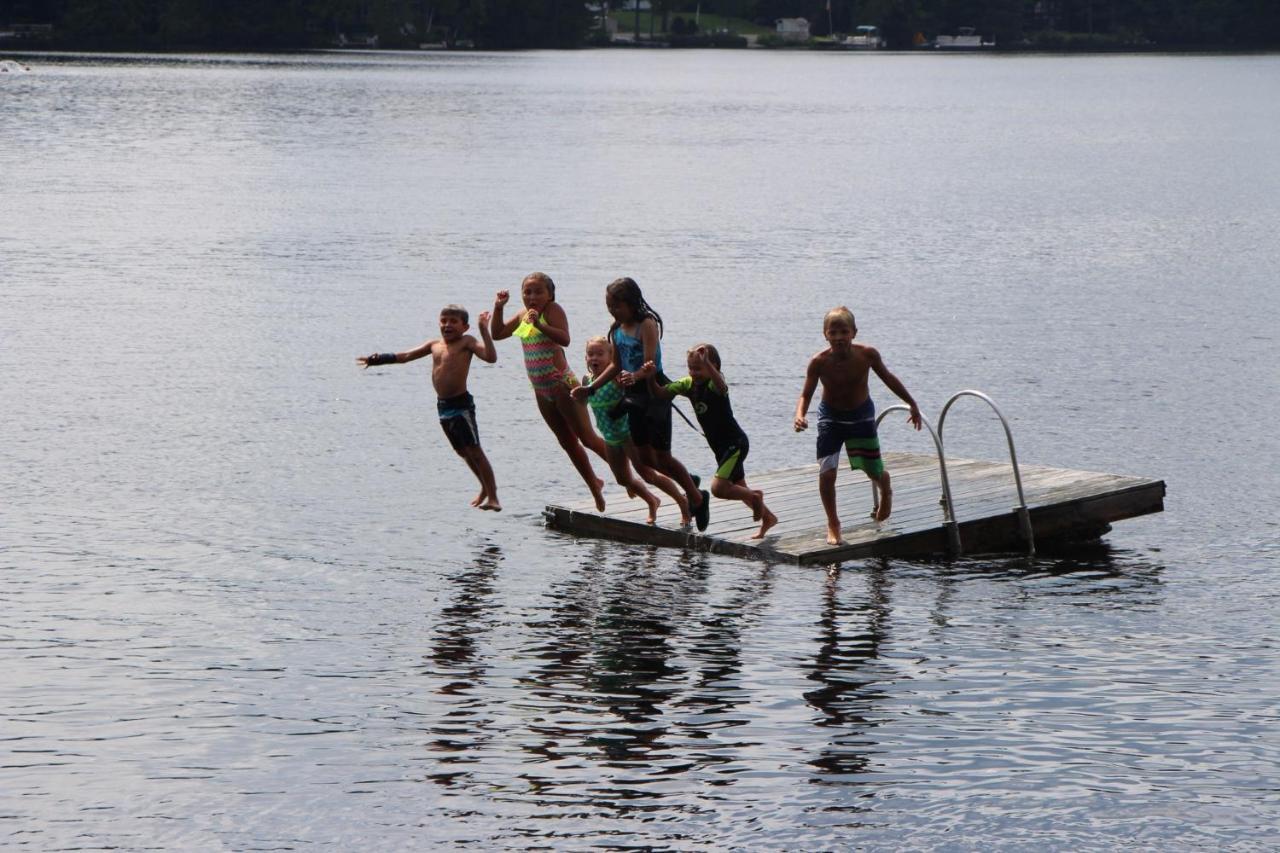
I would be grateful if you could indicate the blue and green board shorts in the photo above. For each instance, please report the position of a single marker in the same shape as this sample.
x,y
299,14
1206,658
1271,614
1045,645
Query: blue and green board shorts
x,y
855,431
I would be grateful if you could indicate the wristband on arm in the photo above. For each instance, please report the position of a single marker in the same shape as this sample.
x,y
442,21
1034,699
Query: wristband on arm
x,y
381,358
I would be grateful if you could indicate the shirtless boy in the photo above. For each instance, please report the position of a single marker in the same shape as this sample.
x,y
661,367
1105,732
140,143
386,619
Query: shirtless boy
x,y
847,415
450,362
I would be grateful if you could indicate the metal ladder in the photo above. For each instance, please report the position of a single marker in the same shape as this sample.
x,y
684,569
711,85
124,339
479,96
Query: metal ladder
x,y
948,507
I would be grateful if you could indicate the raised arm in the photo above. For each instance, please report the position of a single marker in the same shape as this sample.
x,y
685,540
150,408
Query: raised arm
x,y
895,385
806,395
717,378
501,329
485,351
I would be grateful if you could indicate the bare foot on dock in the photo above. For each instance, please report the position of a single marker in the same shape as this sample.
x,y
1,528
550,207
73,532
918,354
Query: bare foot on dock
x,y
769,521
653,503
833,536
492,505
597,492
479,499
757,504
885,505
686,518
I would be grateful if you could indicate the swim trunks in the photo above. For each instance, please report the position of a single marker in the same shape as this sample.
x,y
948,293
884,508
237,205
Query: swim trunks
x,y
650,423
729,460
458,420
853,429
614,430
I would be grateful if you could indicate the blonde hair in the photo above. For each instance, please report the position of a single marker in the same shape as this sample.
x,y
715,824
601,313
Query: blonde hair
x,y
840,312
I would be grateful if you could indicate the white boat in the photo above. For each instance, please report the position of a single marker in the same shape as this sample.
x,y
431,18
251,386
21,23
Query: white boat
x,y
865,37
966,38
8,66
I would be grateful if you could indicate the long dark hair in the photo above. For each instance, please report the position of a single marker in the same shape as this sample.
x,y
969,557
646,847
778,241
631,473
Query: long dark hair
x,y
626,291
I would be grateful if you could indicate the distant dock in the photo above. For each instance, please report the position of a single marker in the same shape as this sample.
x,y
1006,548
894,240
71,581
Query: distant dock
x,y
988,516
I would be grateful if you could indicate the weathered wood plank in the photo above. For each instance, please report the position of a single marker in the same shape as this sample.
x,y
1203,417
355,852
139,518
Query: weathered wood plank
x,y
1061,502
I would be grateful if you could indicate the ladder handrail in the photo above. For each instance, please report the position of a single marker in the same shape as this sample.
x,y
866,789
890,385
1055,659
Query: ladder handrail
x,y
1024,515
948,515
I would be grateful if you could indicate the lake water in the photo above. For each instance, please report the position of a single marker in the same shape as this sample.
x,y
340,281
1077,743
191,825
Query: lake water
x,y
245,605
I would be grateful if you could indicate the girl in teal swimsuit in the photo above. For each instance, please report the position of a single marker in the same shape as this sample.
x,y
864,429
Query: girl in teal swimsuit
x,y
543,329
619,449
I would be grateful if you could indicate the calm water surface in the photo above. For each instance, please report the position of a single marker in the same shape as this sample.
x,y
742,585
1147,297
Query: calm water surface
x,y
244,603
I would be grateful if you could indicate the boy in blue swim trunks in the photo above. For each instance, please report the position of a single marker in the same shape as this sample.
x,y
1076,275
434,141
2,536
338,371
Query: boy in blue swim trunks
x,y
846,415
450,362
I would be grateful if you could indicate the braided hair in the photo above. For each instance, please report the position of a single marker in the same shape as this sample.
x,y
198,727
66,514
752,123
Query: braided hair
x,y
626,291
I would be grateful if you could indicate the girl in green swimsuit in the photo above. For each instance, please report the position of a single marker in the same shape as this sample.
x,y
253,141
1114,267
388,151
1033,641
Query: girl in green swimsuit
x,y
619,449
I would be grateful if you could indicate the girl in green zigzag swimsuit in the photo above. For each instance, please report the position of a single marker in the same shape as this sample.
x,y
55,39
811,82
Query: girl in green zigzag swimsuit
x,y
543,329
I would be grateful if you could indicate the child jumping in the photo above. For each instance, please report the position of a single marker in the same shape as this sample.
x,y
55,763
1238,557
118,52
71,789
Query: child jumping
x,y
637,354
616,431
706,389
543,329
846,415
450,362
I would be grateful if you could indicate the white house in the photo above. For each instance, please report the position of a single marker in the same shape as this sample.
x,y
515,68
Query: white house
x,y
793,29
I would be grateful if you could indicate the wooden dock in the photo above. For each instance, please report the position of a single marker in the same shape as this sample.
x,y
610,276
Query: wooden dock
x,y
1062,504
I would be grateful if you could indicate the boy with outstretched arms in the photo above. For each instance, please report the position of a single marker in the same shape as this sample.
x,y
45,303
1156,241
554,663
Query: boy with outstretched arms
x,y
450,362
847,415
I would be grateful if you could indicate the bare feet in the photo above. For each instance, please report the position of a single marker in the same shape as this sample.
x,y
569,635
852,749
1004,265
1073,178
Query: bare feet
x,y
769,520
833,535
757,504
597,492
479,499
685,517
654,503
886,501
492,504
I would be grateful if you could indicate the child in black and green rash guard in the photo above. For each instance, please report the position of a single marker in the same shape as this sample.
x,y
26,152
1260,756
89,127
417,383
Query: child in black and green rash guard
x,y
706,389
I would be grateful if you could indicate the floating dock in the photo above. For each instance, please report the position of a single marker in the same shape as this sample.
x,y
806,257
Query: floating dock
x,y
988,515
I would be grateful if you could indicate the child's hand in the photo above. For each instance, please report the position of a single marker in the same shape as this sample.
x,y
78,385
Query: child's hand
x,y
501,297
531,316
802,423
914,417
700,355
626,379
649,369
483,319
363,361
582,392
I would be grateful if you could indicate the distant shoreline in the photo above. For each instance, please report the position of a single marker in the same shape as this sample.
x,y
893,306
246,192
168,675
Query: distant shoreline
x,y
1019,50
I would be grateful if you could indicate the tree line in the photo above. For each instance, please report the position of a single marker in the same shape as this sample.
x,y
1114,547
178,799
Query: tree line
x,y
504,24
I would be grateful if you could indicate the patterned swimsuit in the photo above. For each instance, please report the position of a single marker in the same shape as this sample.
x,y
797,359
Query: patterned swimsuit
x,y
614,431
540,362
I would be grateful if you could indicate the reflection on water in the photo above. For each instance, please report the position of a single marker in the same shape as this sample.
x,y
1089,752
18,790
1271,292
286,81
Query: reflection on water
x,y
849,646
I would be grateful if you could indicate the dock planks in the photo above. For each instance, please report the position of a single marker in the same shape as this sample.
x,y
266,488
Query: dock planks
x,y
1063,503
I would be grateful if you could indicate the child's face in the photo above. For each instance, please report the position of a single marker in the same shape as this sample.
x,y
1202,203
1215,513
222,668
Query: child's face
x,y
698,367
618,309
597,358
839,333
452,327
535,294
